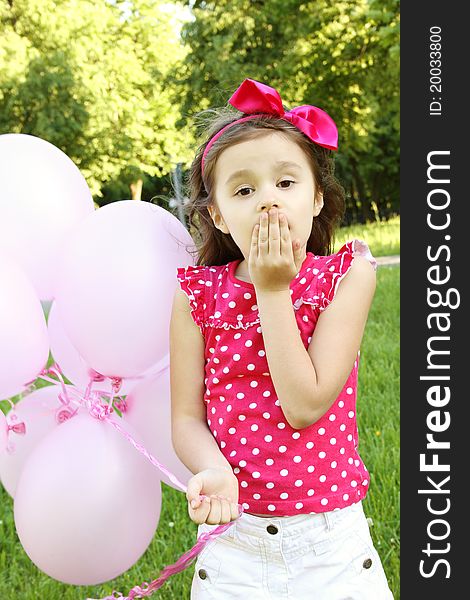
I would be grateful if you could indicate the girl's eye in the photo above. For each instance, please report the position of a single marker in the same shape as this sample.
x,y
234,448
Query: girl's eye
x,y
241,190
286,181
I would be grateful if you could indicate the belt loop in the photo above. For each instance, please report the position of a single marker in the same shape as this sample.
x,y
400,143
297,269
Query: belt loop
x,y
328,521
232,530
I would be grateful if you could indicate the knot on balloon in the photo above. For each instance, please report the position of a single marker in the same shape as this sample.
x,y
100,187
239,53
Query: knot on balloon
x,y
116,383
52,370
100,411
95,376
64,414
121,405
19,428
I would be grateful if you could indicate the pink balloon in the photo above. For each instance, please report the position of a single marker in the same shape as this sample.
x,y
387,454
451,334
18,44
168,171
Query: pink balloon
x,y
41,411
74,367
43,195
149,412
24,343
87,503
116,282
3,434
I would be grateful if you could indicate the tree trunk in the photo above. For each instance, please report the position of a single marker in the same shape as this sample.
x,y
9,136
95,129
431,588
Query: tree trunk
x,y
367,212
136,189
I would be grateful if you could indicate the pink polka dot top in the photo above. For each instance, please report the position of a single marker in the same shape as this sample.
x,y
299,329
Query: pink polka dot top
x,y
280,470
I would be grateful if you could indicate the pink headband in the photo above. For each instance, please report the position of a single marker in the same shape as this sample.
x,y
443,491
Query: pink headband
x,y
254,97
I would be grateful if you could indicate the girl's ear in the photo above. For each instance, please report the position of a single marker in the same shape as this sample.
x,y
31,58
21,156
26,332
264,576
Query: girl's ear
x,y
317,204
217,219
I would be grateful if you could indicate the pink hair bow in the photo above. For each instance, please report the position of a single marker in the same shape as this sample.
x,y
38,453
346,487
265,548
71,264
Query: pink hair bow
x,y
254,98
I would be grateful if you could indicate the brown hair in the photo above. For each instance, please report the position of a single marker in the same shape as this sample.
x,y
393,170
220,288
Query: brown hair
x,y
217,248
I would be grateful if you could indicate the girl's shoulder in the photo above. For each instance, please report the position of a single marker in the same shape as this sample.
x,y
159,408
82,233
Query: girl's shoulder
x,y
209,289
328,271
346,254
200,276
192,281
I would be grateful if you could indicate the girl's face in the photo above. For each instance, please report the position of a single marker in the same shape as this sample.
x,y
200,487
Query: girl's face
x,y
252,177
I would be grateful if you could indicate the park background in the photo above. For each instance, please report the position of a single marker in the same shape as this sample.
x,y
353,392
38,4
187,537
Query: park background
x,y
117,86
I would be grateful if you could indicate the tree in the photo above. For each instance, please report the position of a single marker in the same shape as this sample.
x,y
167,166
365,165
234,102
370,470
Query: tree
x,y
90,77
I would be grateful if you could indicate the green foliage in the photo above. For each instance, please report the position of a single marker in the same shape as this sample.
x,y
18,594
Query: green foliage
x,y
90,79
382,237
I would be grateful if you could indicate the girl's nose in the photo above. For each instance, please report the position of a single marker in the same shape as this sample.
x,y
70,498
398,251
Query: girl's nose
x,y
266,207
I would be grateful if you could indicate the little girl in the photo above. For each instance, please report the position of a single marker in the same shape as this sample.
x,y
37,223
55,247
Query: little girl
x,y
264,351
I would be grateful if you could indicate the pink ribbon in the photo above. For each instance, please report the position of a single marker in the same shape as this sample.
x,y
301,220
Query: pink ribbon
x,y
255,98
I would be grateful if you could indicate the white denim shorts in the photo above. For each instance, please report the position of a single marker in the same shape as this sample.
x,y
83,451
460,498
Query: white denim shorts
x,y
324,556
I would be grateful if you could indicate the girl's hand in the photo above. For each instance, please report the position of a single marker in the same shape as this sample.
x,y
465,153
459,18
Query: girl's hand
x,y
220,486
274,259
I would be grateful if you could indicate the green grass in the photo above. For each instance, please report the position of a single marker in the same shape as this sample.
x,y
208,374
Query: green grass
x,y
378,421
382,237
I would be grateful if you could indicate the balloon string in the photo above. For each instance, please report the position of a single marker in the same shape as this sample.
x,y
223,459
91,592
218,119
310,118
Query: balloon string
x,y
101,411
147,589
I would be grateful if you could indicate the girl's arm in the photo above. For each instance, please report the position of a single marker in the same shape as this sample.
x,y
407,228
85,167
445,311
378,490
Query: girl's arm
x,y
308,382
192,440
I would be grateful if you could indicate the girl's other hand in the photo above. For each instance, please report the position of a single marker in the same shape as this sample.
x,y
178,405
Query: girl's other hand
x,y
220,486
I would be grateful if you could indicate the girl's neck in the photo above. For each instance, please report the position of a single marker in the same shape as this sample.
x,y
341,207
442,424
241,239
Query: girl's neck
x,y
241,272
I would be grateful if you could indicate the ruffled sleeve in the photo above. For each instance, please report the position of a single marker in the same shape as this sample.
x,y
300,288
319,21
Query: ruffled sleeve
x,y
337,266
192,282
328,271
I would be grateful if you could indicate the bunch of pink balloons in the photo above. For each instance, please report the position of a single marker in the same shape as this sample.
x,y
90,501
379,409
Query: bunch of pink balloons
x,y
86,501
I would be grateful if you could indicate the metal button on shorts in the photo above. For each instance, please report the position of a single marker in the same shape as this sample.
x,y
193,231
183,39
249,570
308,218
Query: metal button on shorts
x,y
272,529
